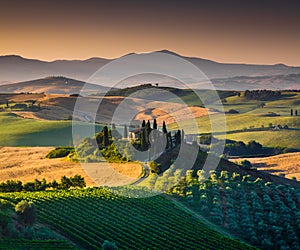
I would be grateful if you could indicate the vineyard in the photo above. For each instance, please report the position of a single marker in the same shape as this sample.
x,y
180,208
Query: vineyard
x,y
89,216
35,245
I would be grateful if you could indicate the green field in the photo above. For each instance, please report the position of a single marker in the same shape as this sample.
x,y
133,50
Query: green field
x,y
35,244
253,117
90,216
16,131
284,138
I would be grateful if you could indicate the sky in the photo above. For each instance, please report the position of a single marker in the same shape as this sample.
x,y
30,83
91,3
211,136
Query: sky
x,y
236,31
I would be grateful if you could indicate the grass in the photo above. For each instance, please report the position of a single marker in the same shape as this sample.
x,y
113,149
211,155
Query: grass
x,y
16,131
287,164
281,106
237,122
283,138
27,163
251,116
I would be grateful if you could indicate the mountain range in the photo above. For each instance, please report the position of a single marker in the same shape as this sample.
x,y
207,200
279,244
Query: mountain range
x,y
15,68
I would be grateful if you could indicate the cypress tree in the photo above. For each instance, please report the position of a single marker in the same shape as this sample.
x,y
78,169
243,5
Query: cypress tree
x,y
143,124
147,133
164,128
143,139
148,126
169,140
105,136
178,137
154,124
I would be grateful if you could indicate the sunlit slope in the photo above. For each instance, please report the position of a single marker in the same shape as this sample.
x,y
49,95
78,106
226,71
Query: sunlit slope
x,y
16,131
90,216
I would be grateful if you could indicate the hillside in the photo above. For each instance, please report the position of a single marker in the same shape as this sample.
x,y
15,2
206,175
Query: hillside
x,y
166,159
274,82
29,163
90,216
52,85
17,69
251,121
61,107
286,164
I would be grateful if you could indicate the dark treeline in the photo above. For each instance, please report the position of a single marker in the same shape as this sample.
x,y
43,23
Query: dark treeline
x,y
37,185
241,149
157,138
263,95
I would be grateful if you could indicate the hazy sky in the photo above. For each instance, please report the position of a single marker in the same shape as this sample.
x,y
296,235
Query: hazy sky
x,y
256,31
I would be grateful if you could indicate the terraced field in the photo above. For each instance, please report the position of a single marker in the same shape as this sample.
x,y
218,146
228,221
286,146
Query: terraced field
x,y
90,216
35,245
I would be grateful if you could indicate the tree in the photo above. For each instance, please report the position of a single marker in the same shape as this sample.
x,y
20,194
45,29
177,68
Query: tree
x,y
246,164
107,245
147,133
164,128
65,182
254,147
26,213
54,184
9,186
143,124
154,124
40,185
178,137
105,136
142,138
262,104
29,186
233,111
169,140
78,181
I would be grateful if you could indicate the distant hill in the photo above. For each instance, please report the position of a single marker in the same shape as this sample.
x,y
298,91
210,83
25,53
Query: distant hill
x,y
280,82
52,85
16,69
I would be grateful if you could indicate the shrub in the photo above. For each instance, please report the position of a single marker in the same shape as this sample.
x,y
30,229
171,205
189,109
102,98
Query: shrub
x,y
107,245
246,164
26,213
154,167
233,111
60,152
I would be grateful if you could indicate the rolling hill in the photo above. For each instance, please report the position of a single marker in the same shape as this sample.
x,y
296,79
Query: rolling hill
x,y
18,69
52,85
90,216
